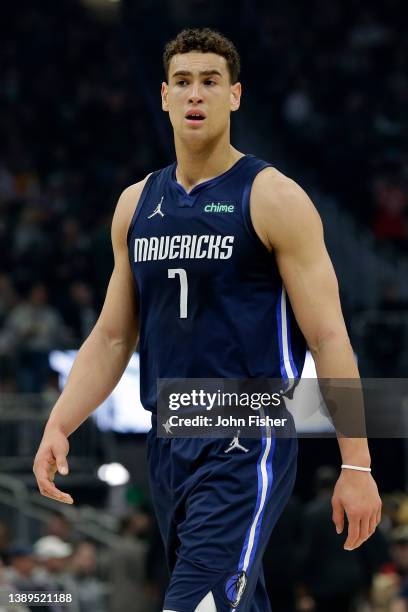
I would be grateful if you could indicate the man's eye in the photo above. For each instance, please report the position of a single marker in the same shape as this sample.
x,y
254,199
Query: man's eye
x,y
183,82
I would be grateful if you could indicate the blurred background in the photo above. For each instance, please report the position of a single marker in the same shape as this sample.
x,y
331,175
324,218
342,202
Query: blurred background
x,y
80,120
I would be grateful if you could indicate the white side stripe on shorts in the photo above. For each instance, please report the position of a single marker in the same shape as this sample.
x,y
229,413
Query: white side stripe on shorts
x,y
206,605
264,488
285,333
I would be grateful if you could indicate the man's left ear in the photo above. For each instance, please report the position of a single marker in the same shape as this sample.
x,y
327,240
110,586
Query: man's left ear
x,y
236,91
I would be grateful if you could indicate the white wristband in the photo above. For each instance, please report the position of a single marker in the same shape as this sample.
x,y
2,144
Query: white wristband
x,y
356,467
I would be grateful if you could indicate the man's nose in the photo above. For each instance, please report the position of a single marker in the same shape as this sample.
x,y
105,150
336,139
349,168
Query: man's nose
x,y
195,94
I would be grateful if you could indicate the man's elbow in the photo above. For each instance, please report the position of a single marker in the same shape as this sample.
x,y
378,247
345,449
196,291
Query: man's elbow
x,y
117,340
330,338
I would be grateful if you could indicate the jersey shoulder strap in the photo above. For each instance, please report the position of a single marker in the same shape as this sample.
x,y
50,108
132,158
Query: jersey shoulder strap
x,y
162,174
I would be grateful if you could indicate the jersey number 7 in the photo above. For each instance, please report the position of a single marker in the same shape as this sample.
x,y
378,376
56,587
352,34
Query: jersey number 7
x,y
183,288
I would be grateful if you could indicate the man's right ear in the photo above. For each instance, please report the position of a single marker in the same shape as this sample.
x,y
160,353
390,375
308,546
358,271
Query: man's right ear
x,y
164,94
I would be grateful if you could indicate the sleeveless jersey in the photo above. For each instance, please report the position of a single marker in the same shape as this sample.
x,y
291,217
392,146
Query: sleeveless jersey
x,y
211,300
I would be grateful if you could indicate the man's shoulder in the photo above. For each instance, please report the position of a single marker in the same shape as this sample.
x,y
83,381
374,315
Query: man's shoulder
x,y
279,207
131,195
135,190
273,189
127,204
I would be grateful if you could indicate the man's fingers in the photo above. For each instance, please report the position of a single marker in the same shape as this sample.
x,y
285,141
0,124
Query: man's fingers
x,y
44,471
338,515
48,489
59,458
353,532
62,464
61,497
373,524
367,526
364,530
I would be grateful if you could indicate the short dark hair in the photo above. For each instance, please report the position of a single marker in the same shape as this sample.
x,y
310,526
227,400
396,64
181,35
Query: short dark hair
x,y
204,40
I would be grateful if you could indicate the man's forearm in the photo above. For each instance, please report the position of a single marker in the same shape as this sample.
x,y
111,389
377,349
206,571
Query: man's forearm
x,y
334,359
97,369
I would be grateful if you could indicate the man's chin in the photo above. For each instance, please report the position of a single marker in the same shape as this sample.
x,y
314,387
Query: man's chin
x,y
196,130
191,136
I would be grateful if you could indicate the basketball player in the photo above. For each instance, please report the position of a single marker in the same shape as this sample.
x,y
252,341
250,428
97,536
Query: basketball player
x,y
221,268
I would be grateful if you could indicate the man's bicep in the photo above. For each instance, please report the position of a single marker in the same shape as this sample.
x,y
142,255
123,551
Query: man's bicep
x,y
307,271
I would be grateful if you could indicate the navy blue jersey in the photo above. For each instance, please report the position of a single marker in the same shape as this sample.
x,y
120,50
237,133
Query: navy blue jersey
x,y
212,302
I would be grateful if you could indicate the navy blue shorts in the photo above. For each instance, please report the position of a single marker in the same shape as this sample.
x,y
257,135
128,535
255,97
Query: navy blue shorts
x,y
216,511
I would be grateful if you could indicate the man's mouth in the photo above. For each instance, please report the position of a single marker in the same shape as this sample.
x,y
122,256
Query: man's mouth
x,y
195,116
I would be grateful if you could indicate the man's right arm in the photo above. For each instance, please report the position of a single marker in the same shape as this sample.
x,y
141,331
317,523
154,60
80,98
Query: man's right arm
x,y
101,359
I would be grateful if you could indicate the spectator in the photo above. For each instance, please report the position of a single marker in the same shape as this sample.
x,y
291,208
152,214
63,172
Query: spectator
x,y
398,544
127,563
390,583
23,573
61,527
400,603
92,592
53,556
78,311
7,587
32,329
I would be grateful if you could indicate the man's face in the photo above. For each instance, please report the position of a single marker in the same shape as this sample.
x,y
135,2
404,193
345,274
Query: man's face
x,y
199,83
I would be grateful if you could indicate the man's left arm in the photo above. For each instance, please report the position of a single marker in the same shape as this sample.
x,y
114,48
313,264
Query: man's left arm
x,y
288,224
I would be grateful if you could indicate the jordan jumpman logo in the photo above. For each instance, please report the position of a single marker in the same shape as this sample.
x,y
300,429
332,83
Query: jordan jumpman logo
x,y
157,210
235,444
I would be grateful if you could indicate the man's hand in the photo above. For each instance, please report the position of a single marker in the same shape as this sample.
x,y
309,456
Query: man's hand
x,y
356,494
50,458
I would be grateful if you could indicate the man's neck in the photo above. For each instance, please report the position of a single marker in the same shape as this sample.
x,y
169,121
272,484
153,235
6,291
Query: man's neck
x,y
197,166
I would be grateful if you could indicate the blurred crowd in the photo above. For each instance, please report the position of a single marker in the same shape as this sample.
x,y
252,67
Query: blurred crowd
x,y
73,133
306,568
98,578
340,81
